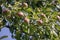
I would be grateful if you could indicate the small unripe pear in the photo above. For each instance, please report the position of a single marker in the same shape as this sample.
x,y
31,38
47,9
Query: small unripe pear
x,y
43,15
40,21
5,10
25,4
20,14
26,20
58,17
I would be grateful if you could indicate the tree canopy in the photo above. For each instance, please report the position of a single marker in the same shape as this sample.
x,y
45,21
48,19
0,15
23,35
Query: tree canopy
x,y
31,19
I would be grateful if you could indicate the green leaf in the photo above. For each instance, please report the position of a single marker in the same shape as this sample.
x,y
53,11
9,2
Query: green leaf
x,y
3,37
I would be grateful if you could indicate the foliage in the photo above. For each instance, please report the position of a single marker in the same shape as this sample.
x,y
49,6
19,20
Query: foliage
x,y
31,19
3,37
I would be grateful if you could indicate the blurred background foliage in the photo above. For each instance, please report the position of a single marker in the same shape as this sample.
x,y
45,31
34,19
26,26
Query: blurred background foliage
x,y
31,19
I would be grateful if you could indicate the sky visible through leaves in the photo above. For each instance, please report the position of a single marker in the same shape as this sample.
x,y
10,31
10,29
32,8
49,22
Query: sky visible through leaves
x,y
5,32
